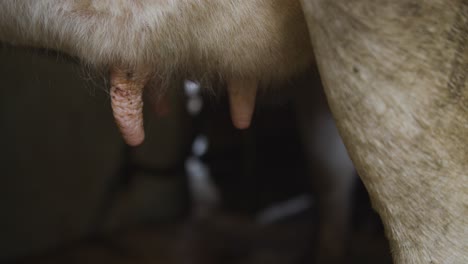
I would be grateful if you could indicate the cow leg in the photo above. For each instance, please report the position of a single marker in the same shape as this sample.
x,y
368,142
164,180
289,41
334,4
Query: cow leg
x,y
395,75
332,172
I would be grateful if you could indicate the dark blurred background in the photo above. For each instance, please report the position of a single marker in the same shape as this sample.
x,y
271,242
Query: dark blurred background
x,y
197,190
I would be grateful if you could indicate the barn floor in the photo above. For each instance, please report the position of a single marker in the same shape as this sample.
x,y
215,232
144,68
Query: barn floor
x,y
220,239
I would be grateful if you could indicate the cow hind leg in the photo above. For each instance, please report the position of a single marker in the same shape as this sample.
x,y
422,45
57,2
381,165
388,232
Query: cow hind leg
x,y
395,77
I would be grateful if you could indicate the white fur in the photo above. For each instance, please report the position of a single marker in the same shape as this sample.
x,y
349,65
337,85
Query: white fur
x,y
260,39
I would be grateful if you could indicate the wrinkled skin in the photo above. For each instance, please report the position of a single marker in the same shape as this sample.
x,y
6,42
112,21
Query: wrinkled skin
x,y
394,73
